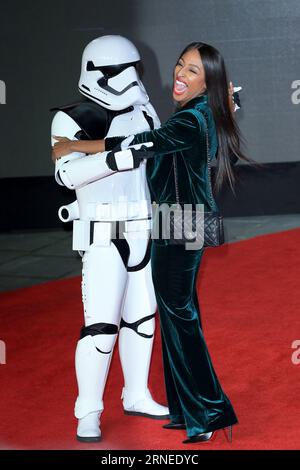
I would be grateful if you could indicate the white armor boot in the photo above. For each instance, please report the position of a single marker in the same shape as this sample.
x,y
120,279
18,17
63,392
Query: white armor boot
x,y
92,365
145,406
88,429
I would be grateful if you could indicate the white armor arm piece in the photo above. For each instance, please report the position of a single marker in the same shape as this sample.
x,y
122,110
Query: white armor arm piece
x,y
64,126
78,169
151,111
81,171
156,123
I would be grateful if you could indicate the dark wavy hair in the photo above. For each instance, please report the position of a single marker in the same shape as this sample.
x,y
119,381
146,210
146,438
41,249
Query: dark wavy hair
x,y
228,132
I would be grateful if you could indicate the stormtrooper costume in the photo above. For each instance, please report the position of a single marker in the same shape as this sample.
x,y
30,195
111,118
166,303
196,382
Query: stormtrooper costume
x,y
111,230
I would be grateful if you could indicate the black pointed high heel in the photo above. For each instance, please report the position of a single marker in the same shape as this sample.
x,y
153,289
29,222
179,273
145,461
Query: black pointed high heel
x,y
203,437
174,426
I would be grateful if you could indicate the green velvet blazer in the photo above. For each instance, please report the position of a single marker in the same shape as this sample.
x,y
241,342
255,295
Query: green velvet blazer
x,y
183,134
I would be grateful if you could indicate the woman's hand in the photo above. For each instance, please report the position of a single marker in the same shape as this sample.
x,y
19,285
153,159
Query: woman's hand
x,y
61,148
230,97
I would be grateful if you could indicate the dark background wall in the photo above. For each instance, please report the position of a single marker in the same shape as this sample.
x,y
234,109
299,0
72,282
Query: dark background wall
x,y
40,54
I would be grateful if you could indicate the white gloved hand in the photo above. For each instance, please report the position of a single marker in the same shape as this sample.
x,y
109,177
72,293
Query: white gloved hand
x,y
129,158
236,97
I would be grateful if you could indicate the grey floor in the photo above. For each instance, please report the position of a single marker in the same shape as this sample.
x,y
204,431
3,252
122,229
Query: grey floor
x,y
35,257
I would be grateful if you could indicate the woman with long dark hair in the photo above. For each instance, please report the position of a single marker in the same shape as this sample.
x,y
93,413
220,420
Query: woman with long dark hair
x,y
196,400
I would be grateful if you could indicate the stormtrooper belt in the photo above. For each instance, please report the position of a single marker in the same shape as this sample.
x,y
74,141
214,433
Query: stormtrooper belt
x,y
86,232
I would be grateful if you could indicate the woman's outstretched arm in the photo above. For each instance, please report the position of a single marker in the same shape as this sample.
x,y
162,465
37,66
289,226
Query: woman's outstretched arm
x,y
178,133
65,146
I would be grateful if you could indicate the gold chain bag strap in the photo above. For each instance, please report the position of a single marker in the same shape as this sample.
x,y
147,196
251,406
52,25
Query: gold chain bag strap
x,y
210,223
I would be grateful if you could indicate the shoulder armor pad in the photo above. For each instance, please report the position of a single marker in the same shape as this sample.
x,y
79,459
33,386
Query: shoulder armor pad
x,y
93,119
90,117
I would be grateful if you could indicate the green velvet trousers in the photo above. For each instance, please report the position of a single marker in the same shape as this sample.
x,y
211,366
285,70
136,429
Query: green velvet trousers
x,y
194,394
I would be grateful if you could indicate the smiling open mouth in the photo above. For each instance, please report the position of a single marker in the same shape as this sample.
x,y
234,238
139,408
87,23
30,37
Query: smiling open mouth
x,y
179,87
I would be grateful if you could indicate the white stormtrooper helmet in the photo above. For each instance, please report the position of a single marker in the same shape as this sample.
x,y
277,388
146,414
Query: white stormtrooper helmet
x,y
108,73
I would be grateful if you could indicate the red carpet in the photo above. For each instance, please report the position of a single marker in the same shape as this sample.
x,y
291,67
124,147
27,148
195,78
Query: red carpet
x,y
250,301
